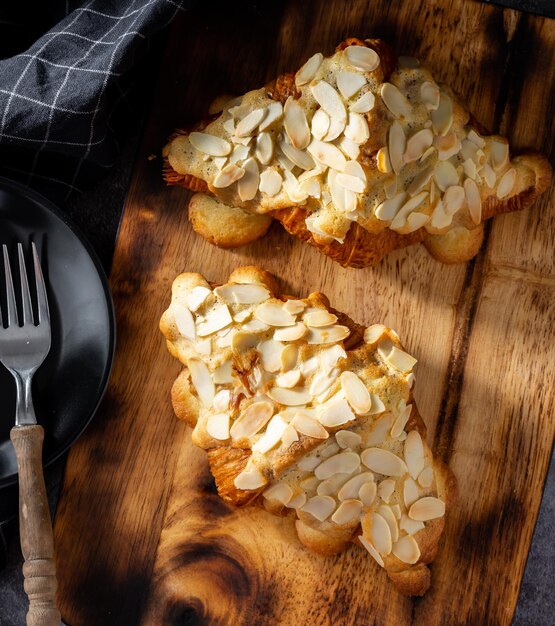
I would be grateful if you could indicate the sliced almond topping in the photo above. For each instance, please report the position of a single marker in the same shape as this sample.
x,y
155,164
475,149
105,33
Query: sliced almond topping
x,y
242,141
304,424
221,400
310,365
348,512
382,161
442,117
386,512
400,219
357,128
386,489
229,175
396,145
395,101
421,181
270,182
473,200
328,98
248,183
289,379
249,479
328,154
330,449
373,333
222,374
295,124
426,477
309,69
320,124
349,147
274,111
291,333
320,507
414,453
292,187
398,359
388,209
416,221
288,357
410,526
319,318
499,153
362,58
204,347
251,420
426,509
249,123
274,314
446,175
297,501
235,293
184,321
255,326
429,93
289,436
329,334
331,485
330,356
407,550
349,83
348,439
241,341
356,392
210,144
351,183
383,462
440,217
506,183
274,431
311,186
281,492
401,420
377,405
447,145
370,548
240,153
475,138
270,351
294,306
351,488
264,150
367,493
489,175
469,168
336,413
217,426
454,199
322,381
417,144
396,511
410,492
229,127
364,104
290,397
202,381
342,463
296,156
380,535
197,297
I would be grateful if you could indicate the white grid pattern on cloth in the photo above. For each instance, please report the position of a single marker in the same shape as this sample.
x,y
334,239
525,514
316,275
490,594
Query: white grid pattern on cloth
x,y
99,46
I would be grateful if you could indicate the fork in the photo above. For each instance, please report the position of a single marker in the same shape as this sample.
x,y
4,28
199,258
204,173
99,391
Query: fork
x,y
23,348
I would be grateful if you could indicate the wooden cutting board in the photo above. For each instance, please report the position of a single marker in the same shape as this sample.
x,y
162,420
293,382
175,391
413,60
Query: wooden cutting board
x,y
141,535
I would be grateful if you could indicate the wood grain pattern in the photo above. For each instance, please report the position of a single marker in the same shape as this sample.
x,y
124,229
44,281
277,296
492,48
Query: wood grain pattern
x,y
142,537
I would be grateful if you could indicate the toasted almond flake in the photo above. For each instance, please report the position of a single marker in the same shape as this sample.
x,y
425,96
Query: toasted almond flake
x,y
356,392
320,507
270,351
380,535
330,356
309,69
442,117
184,321
348,512
289,379
440,217
217,426
475,138
414,453
249,123
241,341
309,365
377,405
291,333
489,175
264,150
400,220
248,183
373,333
335,413
506,183
420,181
297,501
426,477
290,397
370,548
331,485
294,306
281,492
473,200
351,183
410,380
401,421
386,489
229,126
328,98
249,479
250,293
288,357
342,463
274,111
350,83
382,161
362,58
204,347
447,145
386,512
225,337
410,492
416,221
222,400
429,93
322,381
270,182
227,176
427,153
330,449
202,381
398,359
349,147
396,146
357,128
446,175
210,144
396,511
296,125
274,314
319,318
251,420
296,156
217,318
383,462
350,489
348,439
292,187
395,101
499,153
308,426
454,199
380,430
242,141
469,168
197,297
240,153
364,104
311,186
367,493
388,209
427,508
255,326
410,526
417,144
320,124
289,436
272,436
328,154
222,374
329,334
406,549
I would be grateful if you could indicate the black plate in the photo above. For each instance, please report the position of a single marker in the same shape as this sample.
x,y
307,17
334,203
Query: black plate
x,y
69,385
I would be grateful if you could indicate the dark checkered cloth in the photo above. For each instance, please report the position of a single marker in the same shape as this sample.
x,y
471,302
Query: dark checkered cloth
x,y
64,99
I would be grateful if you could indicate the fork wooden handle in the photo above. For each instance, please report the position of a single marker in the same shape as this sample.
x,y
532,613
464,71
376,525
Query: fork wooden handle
x,y
35,527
